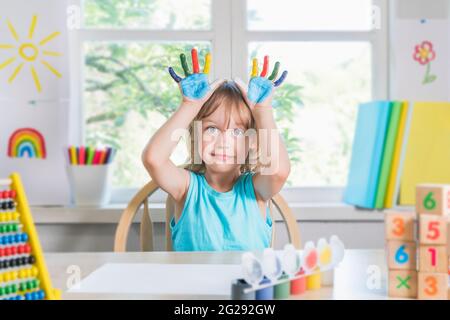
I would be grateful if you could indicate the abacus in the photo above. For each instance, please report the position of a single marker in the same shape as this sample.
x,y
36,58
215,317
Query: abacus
x,y
23,272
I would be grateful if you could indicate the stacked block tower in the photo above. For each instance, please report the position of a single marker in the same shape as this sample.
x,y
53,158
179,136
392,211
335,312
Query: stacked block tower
x,y
433,208
417,253
23,272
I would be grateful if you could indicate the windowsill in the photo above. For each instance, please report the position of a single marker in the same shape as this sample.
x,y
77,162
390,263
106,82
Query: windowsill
x,y
304,212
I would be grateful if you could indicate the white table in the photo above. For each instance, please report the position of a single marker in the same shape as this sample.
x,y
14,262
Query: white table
x,y
351,279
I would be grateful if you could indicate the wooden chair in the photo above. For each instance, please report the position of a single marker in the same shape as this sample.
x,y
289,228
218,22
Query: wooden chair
x,y
146,227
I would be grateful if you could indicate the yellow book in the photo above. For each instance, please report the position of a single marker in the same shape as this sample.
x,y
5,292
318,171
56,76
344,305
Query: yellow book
x,y
427,158
389,201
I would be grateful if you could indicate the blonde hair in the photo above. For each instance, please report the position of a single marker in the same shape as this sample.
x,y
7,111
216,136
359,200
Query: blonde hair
x,y
229,96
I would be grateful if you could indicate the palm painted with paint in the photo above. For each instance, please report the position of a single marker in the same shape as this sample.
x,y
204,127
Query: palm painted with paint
x,y
261,89
195,86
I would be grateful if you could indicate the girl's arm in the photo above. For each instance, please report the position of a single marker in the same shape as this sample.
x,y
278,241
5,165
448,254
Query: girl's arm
x,y
156,155
276,165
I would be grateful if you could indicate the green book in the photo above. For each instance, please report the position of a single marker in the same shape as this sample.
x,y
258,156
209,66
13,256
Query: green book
x,y
388,153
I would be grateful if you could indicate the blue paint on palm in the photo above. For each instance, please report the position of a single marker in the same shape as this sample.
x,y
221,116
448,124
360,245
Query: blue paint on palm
x,y
195,86
259,89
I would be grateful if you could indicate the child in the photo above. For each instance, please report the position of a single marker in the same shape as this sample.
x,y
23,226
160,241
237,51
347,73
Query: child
x,y
221,197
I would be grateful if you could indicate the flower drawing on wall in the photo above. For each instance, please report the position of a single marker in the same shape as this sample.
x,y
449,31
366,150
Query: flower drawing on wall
x,y
424,54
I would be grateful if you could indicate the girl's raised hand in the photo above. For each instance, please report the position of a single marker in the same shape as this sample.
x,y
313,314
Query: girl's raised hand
x,y
260,88
195,87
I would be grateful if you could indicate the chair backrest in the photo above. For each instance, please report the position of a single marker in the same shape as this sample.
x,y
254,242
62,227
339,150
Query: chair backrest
x,y
140,199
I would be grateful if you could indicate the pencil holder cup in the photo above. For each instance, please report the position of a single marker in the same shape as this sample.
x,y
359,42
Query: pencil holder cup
x,y
90,185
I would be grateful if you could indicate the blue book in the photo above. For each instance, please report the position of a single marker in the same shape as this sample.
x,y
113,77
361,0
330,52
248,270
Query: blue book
x,y
367,153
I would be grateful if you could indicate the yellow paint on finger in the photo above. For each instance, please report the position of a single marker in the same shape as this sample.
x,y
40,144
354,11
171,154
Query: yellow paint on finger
x,y
207,63
254,68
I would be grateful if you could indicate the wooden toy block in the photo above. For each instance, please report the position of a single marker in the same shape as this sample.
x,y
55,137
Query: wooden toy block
x,y
433,258
432,229
448,235
399,225
433,199
402,283
432,286
401,255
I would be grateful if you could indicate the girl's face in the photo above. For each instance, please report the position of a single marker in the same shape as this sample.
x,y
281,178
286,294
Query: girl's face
x,y
224,145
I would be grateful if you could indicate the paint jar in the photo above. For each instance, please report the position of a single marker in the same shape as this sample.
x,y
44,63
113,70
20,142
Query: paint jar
x,y
266,293
237,290
298,286
90,185
327,278
282,290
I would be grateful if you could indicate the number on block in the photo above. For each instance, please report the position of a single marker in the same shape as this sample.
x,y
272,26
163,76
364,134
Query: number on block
x,y
432,229
432,286
433,199
433,258
399,225
401,255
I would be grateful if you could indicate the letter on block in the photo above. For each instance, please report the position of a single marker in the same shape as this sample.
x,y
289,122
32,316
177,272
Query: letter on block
x,y
401,255
399,225
433,199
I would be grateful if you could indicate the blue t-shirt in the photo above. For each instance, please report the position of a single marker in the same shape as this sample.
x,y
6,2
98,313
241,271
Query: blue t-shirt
x,y
221,221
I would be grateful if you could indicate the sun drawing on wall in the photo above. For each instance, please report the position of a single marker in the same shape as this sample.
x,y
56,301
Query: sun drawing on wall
x,y
27,52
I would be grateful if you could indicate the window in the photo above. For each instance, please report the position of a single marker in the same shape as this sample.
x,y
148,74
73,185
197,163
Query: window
x,y
127,45
331,78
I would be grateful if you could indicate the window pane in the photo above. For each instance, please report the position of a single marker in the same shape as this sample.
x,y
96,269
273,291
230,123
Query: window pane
x,y
330,79
309,14
148,14
128,95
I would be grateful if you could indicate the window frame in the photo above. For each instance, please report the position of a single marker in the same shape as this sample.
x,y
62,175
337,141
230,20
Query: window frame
x,y
229,40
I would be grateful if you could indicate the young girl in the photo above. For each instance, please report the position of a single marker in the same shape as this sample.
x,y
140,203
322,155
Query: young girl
x,y
221,198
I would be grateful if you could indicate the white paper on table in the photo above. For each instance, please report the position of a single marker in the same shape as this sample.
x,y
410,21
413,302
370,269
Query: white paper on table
x,y
161,279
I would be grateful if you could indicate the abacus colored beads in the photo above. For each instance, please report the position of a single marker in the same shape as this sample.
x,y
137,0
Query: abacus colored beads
x,y
13,238
11,227
34,271
7,205
36,295
17,262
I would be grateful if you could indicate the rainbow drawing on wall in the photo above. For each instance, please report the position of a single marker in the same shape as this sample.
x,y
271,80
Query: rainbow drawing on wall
x,y
26,142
